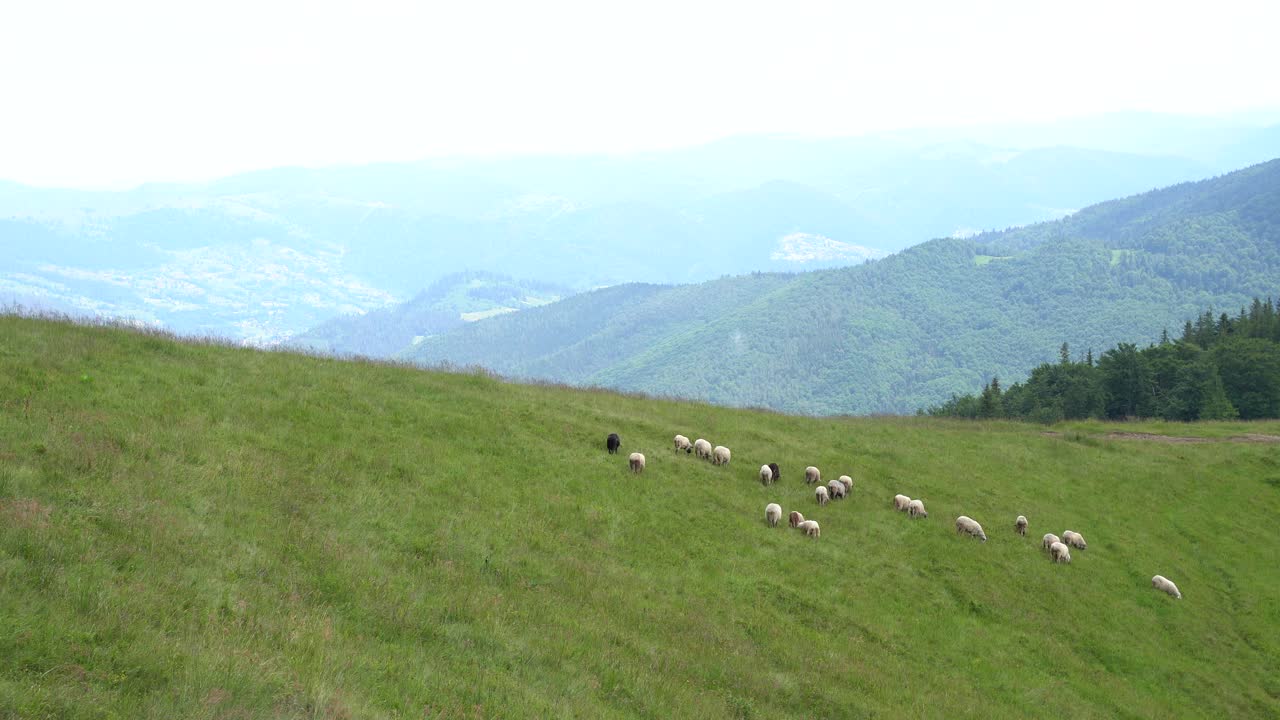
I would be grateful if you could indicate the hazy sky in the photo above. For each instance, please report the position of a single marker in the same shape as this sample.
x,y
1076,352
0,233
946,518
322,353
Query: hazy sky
x,y
115,92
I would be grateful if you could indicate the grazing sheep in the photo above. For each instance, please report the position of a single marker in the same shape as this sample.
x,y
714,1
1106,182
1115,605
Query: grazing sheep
x,y
637,463
821,494
772,514
968,526
846,481
837,490
811,475
777,474
915,509
1060,553
1074,539
810,528
682,443
612,443
795,518
1049,540
901,503
720,456
1161,582
1020,525
766,475
702,449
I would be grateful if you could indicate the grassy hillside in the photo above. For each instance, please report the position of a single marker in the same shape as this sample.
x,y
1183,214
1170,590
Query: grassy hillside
x,y
206,532
913,329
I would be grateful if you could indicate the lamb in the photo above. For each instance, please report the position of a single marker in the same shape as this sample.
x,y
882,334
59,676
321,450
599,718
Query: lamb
x,y
682,443
612,443
1049,540
901,503
772,514
846,481
1020,525
777,474
702,449
968,526
811,475
720,456
821,494
795,518
1074,539
1161,582
766,475
810,528
637,462
915,509
837,490
1060,553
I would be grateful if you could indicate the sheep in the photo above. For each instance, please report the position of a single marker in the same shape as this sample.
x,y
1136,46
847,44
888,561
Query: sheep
x,y
821,495
915,509
837,490
777,474
612,443
811,475
702,449
1161,582
810,528
968,526
1074,539
720,456
637,463
901,503
766,475
1049,540
772,514
1020,525
1060,553
795,518
682,443
846,481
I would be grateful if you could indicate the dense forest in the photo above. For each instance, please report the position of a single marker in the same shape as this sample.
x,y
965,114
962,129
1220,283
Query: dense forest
x,y
1221,368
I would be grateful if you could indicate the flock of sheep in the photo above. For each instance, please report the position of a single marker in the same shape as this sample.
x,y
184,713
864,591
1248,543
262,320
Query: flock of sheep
x,y
1059,547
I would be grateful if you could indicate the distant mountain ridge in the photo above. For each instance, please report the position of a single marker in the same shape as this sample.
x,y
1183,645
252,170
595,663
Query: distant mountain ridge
x,y
907,331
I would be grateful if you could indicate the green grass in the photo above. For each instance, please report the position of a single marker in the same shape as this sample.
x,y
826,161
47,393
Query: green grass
x,y
981,260
196,531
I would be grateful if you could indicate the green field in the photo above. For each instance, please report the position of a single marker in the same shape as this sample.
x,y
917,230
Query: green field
x,y
197,531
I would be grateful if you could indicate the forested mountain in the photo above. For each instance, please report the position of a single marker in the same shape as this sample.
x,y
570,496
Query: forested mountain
x,y
263,256
912,329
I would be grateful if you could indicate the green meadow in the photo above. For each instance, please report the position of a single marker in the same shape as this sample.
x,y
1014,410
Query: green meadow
x,y
190,530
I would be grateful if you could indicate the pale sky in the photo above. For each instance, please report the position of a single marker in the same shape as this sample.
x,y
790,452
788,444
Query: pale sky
x,y
110,93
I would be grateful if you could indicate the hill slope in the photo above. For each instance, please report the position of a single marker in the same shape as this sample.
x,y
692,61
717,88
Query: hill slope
x,y
199,531
908,331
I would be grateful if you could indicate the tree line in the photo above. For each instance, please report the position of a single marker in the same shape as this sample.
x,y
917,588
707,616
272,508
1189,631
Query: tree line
x,y
1222,367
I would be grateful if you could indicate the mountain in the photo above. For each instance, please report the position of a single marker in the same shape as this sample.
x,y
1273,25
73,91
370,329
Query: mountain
x,y
189,530
265,256
908,331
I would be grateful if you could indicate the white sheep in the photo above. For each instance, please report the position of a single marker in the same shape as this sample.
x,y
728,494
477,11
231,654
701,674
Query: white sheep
x,y
637,462
772,514
766,475
1020,525
916,509
811,475
1161,582
795,518
846,481
702,449
720,456
1074,539
821,494
1060,553
836,489
901,503
968,526
1049,540
810,528
682,443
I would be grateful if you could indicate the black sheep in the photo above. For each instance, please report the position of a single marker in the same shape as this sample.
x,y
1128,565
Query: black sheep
x,y
613,443
776,475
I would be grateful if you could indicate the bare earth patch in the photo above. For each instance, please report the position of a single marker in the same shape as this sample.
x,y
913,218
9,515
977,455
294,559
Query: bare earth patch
x,y
1179,440
25,512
